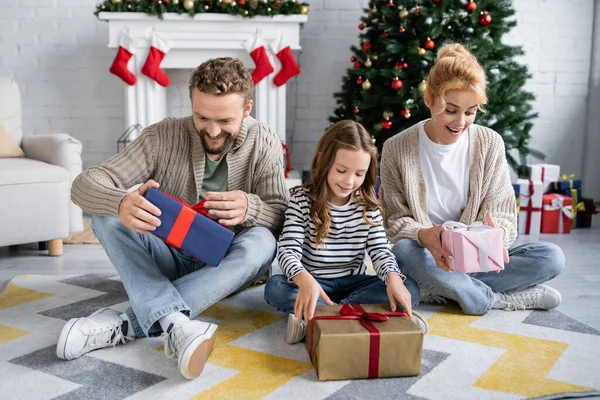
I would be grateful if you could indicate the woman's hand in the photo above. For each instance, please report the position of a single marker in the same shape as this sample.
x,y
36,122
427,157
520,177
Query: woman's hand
x,y
397,292
431,239
309,291
492,223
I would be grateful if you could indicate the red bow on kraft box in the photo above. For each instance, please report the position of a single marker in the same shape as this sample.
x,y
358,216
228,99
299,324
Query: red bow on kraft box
x,y
189,229
381,346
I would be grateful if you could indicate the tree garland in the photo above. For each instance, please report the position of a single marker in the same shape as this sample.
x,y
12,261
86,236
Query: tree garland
x,y
244,8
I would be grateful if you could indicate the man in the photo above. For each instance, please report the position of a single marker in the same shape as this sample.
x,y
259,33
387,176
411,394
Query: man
x,y
219,154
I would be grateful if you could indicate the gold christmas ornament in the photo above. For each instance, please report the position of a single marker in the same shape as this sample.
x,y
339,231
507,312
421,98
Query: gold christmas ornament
x,y
368,63
422,87
422,51
387,114
115,1
188,4
206,7
403,13
227,1
374,57
175,2
366,85
377,127
304,10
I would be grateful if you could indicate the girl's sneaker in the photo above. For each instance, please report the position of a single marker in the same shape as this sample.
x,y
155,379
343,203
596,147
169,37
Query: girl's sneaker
x,y
295,330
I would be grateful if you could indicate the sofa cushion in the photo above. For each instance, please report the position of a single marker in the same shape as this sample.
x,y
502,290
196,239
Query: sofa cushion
x,y
19,171
8,147
10,108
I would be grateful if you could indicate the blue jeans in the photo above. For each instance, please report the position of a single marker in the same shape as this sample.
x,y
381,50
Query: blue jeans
x,y
353,289
530,264
161,280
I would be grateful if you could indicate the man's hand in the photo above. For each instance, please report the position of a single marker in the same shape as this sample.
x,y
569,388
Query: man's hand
x,y
308,294
431,238
397,292
137,213
492,223
228,208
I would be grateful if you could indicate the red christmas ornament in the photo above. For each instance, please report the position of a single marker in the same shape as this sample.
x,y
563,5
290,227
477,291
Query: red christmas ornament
x,y
485,19
405,113
417,10
367,46
356,110
352,59
396,84
359,81
387,124
390,3
357,64
241,2
361,26
402,29
471,6
385,34
429,44
437,1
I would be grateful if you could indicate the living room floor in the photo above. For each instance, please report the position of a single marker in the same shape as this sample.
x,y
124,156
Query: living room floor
x,y
579,284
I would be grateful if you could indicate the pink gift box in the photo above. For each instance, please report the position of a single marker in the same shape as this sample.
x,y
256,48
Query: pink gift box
x,y
474,248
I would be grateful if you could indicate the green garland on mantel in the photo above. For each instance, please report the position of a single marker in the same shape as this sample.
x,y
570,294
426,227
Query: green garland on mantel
x,y
244,8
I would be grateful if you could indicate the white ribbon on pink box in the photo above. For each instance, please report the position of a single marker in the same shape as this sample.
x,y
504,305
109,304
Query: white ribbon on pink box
x,y
474,248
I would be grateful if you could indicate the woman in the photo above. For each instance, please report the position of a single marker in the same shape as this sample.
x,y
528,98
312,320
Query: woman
x,y
448,169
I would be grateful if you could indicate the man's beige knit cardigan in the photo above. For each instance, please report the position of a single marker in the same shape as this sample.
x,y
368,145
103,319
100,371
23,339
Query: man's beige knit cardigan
x,y
403,188
171,153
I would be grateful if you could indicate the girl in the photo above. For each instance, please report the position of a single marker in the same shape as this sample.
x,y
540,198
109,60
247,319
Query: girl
x,y
329,223
448,168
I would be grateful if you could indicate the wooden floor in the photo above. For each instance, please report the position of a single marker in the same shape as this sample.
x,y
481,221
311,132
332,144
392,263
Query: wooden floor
x,y
579,284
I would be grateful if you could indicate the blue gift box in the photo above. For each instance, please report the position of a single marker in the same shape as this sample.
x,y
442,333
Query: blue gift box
x,y
188,230
517,189
558,187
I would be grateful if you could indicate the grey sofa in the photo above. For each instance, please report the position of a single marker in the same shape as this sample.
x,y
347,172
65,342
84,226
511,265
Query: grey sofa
x,y
35,203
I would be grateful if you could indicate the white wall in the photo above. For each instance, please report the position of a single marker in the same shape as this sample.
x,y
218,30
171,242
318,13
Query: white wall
x,y
56,50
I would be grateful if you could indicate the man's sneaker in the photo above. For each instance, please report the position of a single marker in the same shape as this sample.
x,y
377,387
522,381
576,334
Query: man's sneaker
x,y
295,330
82,335
192,341
432,298
540,297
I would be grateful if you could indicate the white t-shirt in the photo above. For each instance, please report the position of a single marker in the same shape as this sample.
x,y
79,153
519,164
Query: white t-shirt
x,y
446,174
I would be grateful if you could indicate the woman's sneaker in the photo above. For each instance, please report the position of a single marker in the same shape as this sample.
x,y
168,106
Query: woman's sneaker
x,y
540,297
104,328
295,330
192,341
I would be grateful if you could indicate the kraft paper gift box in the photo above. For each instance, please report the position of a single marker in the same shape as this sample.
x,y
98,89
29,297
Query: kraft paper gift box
x,y
474,248
368,341
530,210
557,213
186,228
546,173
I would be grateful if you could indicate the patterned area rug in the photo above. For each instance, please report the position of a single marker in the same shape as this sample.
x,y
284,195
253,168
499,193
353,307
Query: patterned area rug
x,y
503,355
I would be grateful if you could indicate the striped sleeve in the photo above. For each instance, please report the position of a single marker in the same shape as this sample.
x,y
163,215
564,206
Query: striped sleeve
x,y
292,237
378,248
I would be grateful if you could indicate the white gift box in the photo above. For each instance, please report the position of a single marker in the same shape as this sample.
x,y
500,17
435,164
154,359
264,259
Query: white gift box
x,y
545,173
530,214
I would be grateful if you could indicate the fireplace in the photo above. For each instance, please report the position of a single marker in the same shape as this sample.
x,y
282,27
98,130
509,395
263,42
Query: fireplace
x,y
192,41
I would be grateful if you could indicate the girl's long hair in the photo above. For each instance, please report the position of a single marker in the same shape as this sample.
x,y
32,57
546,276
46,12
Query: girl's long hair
x,y
349,135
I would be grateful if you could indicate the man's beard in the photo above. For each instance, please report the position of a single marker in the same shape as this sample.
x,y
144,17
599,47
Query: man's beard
x,y
216,150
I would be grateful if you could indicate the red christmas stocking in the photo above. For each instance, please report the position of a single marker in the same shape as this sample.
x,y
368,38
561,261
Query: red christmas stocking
x,y
151,67
289,67
256,47
119,65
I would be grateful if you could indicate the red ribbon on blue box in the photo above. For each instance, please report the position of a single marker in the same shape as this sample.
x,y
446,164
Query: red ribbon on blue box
x,y
188,228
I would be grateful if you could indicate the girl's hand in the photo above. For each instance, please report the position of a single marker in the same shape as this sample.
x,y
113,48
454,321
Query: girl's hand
x,y
397,292
308,294
492,223
431,238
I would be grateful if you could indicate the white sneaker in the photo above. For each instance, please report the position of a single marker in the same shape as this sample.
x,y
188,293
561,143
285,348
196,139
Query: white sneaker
x,y
295,330
431,298
540,297
82,335
192,341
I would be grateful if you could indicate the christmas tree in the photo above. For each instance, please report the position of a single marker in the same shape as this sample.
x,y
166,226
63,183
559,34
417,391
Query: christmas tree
x,y
398,44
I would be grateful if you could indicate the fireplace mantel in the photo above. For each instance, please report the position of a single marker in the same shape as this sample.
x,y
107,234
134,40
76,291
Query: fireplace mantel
x,y
194,40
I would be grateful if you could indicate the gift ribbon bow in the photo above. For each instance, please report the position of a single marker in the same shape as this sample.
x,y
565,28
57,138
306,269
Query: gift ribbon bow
x,y
481,241
184,221
558,204
357,312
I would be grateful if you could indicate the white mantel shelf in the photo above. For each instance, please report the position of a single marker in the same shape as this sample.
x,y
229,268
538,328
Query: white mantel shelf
x,y
194,40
